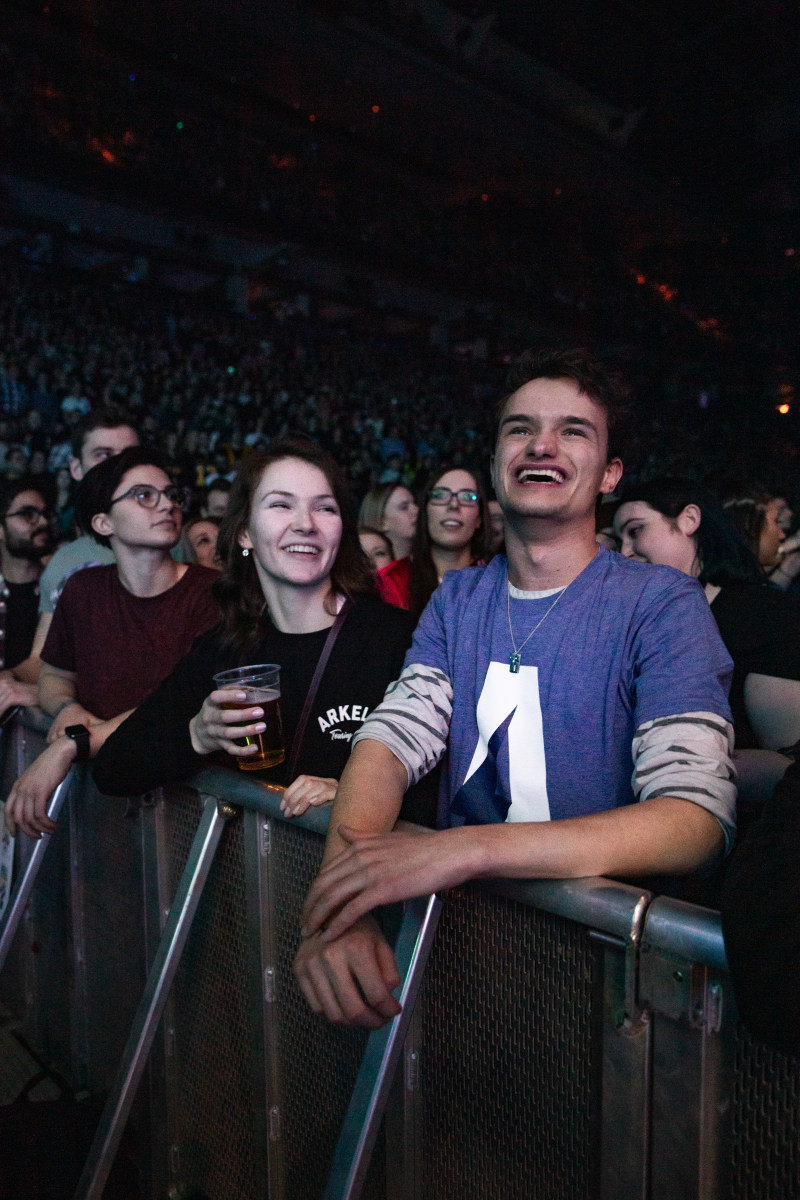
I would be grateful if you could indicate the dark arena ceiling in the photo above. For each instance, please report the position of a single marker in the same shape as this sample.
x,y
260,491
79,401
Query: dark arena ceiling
x,y
665,131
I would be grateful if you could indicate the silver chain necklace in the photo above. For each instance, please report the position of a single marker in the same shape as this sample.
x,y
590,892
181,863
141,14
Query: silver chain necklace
x,y
514,656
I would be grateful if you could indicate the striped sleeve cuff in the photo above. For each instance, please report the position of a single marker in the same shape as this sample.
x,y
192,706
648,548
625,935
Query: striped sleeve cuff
x,y
413,719
688,755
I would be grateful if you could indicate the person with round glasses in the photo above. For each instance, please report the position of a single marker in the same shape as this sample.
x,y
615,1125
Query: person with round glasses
x,y
118,629
452,534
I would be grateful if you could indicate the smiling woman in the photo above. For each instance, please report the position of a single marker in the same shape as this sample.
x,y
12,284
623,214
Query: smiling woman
x,y
295,590
452,534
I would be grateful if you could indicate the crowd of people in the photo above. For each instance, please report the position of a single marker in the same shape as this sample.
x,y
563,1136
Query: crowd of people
x,y
423,667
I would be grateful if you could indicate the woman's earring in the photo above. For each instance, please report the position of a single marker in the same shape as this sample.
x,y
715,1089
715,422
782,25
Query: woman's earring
x,y
245,553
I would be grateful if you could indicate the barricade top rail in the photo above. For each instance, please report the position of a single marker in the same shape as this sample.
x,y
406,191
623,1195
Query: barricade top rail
x,y
670,926
685,931
604,904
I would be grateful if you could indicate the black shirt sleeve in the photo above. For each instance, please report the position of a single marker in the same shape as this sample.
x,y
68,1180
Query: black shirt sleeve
x,y
761,629
153,746
761,920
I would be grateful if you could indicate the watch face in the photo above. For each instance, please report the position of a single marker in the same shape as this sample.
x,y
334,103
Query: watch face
x,y
80,736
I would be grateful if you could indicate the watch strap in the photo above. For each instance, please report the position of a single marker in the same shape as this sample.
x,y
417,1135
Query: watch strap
x,y
79,734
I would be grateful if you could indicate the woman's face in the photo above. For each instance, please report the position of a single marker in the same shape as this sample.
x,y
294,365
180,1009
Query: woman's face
x,y
374,546
771,534
295,526
452,526
202,537
648,536
400,514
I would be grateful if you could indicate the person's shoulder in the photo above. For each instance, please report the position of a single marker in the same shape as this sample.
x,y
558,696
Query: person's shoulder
x,y
646,581
83,551
387,620
398,571
89,580
198,578
457,586
762,600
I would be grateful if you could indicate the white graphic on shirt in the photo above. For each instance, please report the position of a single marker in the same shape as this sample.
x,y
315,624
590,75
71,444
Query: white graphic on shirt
x,y
502,693
338,716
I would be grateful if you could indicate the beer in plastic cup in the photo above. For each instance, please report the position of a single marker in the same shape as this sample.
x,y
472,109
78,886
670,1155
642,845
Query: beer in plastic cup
x,y
262,685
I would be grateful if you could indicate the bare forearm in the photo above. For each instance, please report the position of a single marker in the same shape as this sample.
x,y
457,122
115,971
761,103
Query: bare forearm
x,y
54,691
28,670
369,795
664,835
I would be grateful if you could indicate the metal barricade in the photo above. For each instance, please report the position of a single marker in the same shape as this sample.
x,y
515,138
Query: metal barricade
x,y
572,1039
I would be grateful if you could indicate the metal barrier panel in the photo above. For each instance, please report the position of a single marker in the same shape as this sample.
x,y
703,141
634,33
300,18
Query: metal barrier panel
x,y
217,1106
529,1071
40,965
726,1109
765,1151
509,1055
318,1062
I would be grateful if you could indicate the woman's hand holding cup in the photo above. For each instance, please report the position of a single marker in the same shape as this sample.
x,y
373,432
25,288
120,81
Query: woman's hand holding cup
x,y
218,725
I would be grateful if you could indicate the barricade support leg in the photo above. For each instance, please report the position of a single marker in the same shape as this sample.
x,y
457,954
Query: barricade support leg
x,y
176,932
384,1048
24,885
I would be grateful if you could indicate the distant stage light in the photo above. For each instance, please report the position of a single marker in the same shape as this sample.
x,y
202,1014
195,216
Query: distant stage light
x,y
783,409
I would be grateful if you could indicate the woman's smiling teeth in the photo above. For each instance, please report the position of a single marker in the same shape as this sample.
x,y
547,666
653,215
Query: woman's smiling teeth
x,y
301,548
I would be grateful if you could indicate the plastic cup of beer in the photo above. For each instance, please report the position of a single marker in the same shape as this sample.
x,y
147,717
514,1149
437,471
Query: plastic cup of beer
x,y
262,686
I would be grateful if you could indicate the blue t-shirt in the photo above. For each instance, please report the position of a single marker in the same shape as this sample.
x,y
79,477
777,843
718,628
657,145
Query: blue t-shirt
x,y
625,644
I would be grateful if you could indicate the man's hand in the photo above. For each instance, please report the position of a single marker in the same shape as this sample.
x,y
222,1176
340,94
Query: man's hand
x,y
26,806
350,980
70,714
305,791
382,868
12,692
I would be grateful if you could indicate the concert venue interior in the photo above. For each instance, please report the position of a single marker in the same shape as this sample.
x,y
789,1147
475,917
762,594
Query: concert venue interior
x,y
234,223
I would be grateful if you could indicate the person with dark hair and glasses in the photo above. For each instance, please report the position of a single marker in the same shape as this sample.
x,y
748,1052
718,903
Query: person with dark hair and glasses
x,y
26,537
117,629
676,523
295,590
557,683
452,533
96,437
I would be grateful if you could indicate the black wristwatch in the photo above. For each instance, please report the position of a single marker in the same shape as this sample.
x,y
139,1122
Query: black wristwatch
x,y
80,736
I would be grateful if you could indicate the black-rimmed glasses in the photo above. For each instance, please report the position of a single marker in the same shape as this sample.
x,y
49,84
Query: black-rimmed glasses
x,y
148,496
443,496
31,514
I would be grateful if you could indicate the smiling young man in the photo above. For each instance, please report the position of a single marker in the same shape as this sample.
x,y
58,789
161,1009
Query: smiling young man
x,y
560,679
118,629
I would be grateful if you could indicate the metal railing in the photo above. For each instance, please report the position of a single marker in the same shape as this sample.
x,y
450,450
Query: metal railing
x,y
570,1038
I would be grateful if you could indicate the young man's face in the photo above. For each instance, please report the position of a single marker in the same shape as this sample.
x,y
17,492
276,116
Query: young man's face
x,y
100,444
551,455
25,530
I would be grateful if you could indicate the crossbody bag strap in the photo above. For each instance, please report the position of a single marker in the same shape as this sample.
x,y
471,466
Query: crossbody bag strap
x,y
313,687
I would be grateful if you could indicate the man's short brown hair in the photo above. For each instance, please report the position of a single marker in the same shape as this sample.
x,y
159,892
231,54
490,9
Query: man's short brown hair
x,y
600,381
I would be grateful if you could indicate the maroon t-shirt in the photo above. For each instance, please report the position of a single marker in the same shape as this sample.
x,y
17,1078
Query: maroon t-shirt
x,y
121,646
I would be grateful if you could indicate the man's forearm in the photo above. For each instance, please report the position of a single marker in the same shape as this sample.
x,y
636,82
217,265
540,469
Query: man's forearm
x,y
664,835
369,795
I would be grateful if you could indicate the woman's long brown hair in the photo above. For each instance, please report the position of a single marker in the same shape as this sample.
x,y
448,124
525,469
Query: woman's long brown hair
x,y
238,591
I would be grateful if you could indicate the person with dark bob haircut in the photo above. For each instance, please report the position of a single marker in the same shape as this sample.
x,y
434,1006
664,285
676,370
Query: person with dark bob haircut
x,y
118,629
676,523
295,589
